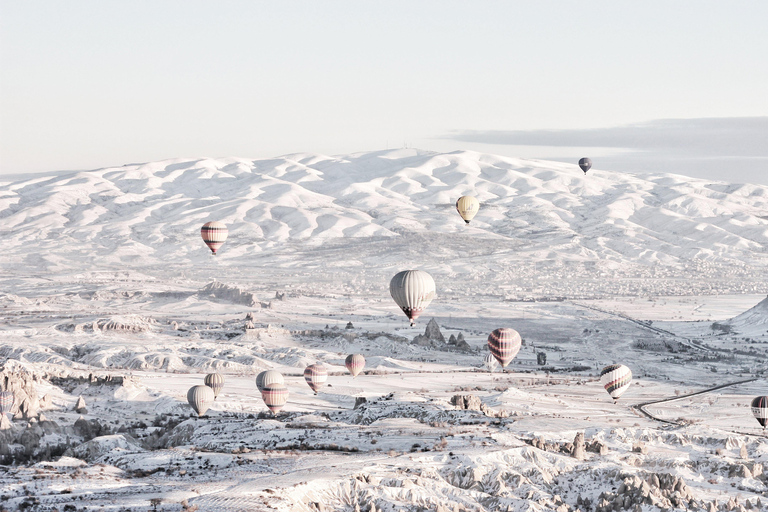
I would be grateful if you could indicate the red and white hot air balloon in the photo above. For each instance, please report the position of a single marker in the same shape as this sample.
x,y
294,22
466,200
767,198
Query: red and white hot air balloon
x,y
504,344
275,396
214,234
315,375
355,364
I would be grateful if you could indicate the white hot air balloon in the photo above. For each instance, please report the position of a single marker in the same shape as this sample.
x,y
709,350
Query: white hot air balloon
x,y
412,290
490,362
200,398
268,378
467,206
215,381
616,378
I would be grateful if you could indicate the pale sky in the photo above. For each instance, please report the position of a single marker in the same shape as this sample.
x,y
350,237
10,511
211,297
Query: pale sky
x,y
89,84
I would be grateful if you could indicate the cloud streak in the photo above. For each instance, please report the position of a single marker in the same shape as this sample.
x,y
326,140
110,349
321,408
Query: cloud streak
x,y
705,137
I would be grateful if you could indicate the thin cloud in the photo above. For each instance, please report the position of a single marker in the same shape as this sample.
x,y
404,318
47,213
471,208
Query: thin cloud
x,y
705,137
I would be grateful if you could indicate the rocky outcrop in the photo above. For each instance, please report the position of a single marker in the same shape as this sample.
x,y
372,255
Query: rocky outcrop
x,y
228,293
473,403
657,489
579,451
431,337
22,384
80,406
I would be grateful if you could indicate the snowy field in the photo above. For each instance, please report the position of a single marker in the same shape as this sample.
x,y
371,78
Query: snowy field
x,y
109,295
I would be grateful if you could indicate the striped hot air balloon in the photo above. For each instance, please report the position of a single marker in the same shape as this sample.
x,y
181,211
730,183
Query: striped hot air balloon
x,y
616,379
214,234
268,378
275,396
315,375
355,364
200,398
467,206
6,401
215,381
760,410
412,290
490,362
504,344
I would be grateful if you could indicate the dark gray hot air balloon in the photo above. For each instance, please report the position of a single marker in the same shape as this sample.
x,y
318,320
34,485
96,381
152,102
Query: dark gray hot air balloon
x,y
585,164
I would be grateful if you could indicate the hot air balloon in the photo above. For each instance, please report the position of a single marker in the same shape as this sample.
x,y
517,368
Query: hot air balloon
x,y
760,409
504,344
585,164
315,375
6,401
215,381
268,378
490,362
275,396
200,398
616,379
467,206
412,290
214,234
355,364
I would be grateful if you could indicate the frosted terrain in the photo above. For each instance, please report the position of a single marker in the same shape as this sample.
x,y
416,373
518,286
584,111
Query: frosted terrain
x,y
108,294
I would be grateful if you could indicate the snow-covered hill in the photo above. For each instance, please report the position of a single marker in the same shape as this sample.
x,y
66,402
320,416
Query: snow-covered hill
x,y
385,209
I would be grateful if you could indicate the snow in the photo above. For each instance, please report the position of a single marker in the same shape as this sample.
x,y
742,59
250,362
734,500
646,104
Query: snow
x,y
109,294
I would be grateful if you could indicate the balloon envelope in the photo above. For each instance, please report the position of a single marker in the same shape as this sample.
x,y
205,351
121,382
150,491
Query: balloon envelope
x,y
268,378
215,381
315,375
412,290
6,401
355,363
200,398
760,409
490,362
275,396
585,164
467,206
616,378
504,344
214,234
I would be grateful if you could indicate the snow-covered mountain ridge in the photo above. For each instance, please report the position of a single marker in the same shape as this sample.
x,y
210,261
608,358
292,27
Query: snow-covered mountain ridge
x,y
531,210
